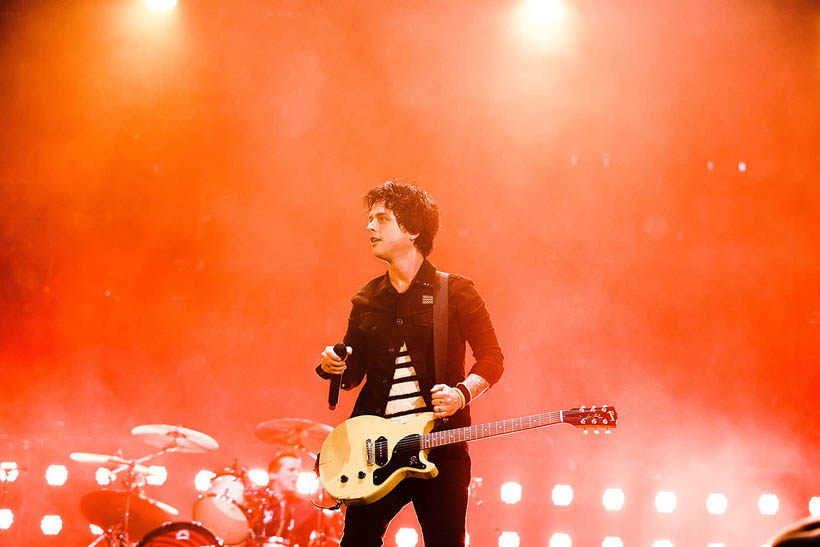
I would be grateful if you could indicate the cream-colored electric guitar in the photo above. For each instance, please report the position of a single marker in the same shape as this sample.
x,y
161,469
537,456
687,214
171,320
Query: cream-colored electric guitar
x,y
365,457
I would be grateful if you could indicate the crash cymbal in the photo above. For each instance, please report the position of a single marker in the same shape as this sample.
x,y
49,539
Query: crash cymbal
x,y
294,432
109,461
106,508
175,438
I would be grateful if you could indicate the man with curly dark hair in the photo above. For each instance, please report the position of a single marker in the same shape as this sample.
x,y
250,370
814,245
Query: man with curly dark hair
x,y
390,342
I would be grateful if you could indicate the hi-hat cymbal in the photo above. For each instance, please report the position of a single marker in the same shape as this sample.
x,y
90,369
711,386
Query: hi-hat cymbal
x,y
106,508
298,433
175,437
109,461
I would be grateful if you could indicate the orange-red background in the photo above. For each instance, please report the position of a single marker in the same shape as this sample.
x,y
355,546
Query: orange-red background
x,y
181,230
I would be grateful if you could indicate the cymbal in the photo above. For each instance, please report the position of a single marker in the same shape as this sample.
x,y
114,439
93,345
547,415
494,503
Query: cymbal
x,y
294,432
175,437
106,508
109,461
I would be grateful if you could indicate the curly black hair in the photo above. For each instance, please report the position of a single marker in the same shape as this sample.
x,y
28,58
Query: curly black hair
x,y
415,210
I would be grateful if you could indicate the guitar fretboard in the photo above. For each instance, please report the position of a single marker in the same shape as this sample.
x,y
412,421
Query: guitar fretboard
x,y
482,431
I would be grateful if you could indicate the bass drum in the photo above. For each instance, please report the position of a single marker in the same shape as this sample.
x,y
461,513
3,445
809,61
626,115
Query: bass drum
x,y
182,534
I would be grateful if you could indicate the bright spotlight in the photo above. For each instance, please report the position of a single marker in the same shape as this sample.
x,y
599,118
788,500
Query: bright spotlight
x,y
544,11
259,477
6,519
716,545
768,504
9,471
96,530
161,5
612,541
716,504
662,543
510,492
665,501
103,476
157,476
202,481
562,494
466,539
51,525
407,537
613,499
814,506
56,475
509,539
560,540
306,483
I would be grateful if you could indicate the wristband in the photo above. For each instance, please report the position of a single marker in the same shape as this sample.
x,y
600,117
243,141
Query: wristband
x,y
461,398
464,393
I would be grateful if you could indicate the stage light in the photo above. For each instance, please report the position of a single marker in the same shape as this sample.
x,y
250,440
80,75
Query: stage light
x,y
56,475
741,166
710,166
6,519
157,476
9,471
613,499
716,504
665,501
562,494
96,530
662,543
161,5
560,540
509,539
510,492
307,483
104,476
259,477
768,504
466,539
51,525
407,537
814,506
202,481
716,545
612,541
544,11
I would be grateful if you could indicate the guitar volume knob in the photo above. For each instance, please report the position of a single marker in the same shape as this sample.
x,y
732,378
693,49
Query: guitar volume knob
x,y
343,478
362,474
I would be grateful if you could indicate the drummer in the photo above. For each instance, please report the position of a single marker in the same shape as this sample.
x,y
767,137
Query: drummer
x,y
280,497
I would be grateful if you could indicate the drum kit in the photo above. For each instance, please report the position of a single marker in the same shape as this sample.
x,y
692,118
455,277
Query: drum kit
x,y
229,513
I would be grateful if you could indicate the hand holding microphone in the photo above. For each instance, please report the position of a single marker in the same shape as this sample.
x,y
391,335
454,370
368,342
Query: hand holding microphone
x,y
333,362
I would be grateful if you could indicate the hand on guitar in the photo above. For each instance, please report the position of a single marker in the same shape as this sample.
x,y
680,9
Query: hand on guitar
x,y
446,400
332,363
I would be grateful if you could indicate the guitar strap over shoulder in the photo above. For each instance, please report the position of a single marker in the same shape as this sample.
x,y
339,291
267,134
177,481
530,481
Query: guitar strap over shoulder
x,y
440,315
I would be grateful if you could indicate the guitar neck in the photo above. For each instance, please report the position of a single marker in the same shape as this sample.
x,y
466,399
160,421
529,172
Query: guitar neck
x,y
492,429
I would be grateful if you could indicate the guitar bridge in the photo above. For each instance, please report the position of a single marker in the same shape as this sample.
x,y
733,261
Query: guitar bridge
x,y
368,443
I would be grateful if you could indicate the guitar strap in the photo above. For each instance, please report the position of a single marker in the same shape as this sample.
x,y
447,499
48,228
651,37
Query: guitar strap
x,y
440,334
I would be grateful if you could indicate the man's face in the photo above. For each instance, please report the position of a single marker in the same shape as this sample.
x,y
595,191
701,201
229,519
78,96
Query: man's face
x,y
285,477
387,238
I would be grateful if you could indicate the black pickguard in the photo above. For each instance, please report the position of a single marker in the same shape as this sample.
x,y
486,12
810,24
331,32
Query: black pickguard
x,y
405,454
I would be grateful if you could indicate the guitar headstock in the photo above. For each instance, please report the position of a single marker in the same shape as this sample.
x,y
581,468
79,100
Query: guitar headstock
x,y
595,418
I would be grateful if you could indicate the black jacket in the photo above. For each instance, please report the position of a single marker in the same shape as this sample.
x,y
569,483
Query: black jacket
x,y
381,319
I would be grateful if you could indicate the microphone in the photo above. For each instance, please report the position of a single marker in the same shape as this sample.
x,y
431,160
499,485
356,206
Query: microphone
x,y
333,395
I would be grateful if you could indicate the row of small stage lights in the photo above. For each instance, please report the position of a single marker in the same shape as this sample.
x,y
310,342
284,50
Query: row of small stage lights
x,y
613,499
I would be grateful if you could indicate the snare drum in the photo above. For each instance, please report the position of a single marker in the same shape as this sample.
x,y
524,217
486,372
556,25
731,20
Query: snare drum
x,y
185,534
222,508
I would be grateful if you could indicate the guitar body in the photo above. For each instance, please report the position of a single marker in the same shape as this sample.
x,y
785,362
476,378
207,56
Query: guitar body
x,y
365,457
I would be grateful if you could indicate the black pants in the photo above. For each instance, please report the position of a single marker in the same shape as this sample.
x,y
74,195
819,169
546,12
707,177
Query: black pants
x,y
440,505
